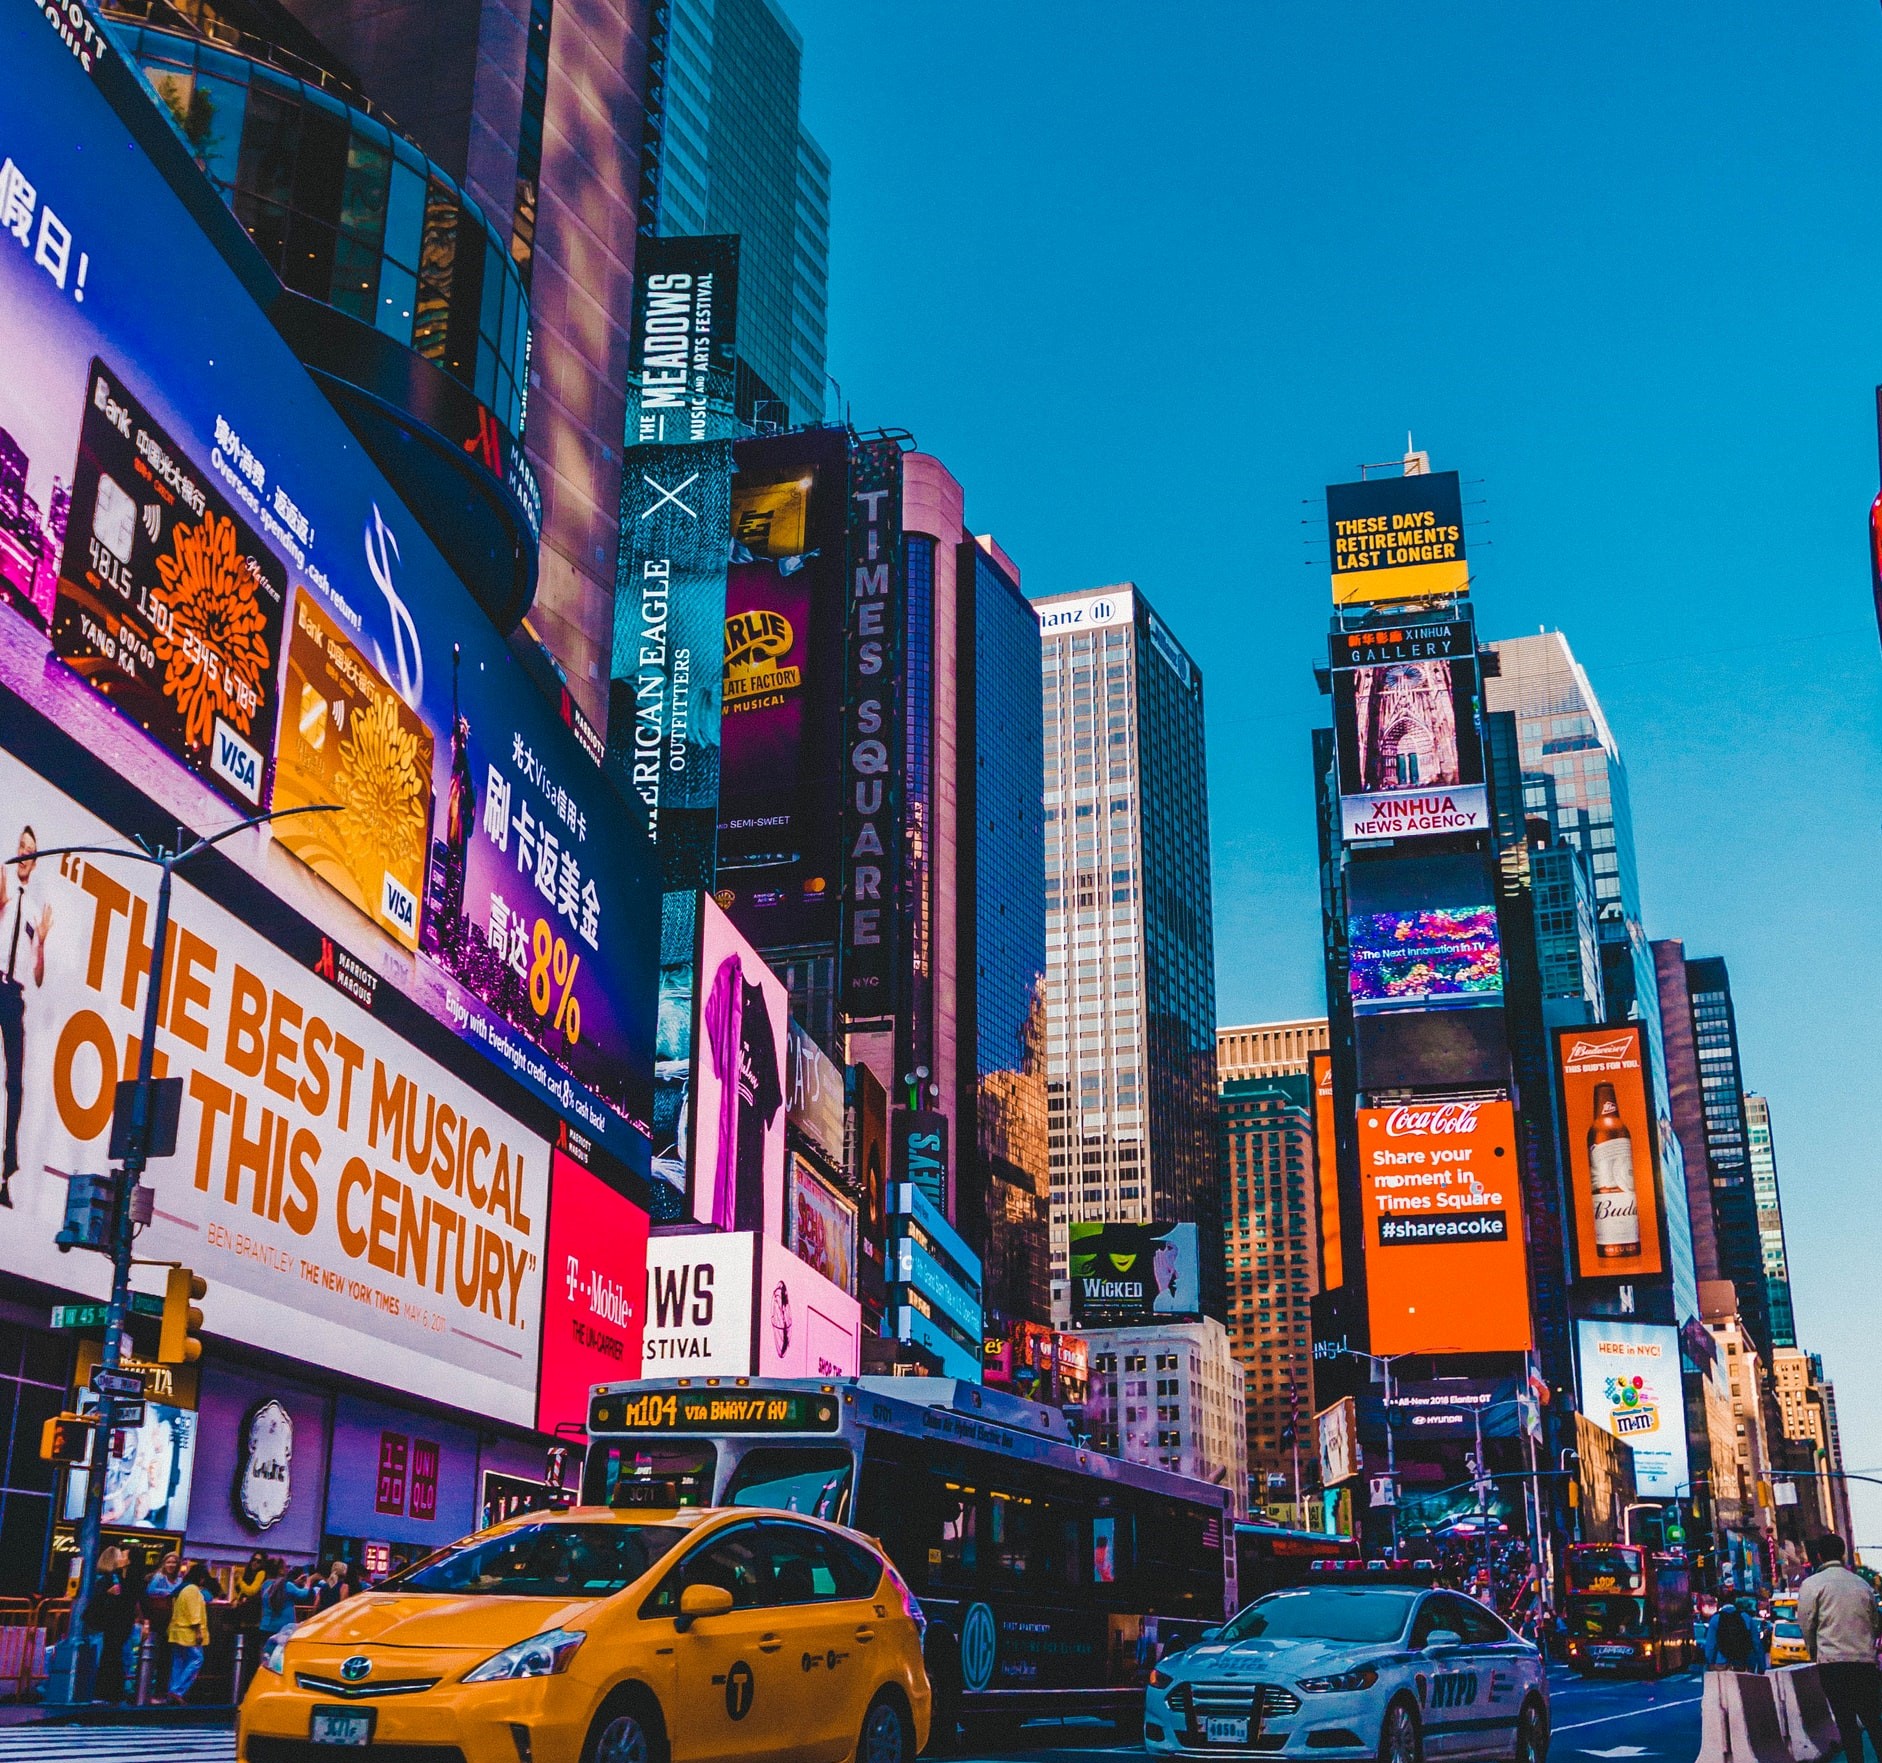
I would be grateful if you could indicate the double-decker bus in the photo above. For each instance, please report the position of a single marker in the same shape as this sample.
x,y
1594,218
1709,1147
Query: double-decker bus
x,y
1629,1609
1051,1575
1270,1557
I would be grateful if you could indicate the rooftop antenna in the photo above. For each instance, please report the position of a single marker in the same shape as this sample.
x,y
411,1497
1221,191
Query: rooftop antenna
x,y
1417,464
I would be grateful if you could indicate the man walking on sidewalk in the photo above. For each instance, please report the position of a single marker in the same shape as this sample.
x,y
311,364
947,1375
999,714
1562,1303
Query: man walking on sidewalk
x,y
1836,1611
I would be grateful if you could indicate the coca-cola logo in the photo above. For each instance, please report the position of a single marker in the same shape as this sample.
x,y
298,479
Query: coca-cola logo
x,y
1457,1119
1617,1048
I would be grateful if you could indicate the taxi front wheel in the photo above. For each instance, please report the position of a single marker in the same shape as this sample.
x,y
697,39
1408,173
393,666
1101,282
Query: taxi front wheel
x,y
888,1736
625,1731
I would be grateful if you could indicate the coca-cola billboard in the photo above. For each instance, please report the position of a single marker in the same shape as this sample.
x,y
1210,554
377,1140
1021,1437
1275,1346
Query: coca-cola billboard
x,y
1608,1129
1441,1201
595,1297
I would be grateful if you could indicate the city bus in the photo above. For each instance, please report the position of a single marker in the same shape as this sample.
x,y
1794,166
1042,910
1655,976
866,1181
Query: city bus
x,y
1629,1610
1052,1577
1270,1557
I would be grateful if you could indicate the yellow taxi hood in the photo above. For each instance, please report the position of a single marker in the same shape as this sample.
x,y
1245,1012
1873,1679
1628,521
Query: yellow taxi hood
x,y
410,1619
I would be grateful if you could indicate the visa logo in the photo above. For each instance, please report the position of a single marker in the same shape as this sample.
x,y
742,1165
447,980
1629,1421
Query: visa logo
x,y
399,905
232,759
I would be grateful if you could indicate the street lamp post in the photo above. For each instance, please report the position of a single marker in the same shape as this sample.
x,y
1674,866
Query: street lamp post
x,y
1384,1362
136,1144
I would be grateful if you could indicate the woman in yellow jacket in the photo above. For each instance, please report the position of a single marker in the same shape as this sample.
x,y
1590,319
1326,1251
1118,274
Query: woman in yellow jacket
x,y
189,1629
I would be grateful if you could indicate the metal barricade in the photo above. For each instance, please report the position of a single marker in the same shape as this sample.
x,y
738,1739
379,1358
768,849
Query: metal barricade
x,y
28,1626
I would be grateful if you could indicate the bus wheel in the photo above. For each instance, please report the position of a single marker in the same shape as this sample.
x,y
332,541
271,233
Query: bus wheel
x,y
1399,1739
1532,1733
888,1736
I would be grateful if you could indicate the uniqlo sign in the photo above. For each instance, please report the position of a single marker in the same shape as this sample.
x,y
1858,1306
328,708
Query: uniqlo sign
x,y
595,1297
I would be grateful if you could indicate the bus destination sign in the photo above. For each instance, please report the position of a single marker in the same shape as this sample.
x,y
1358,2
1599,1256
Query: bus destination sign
x,y
712,1410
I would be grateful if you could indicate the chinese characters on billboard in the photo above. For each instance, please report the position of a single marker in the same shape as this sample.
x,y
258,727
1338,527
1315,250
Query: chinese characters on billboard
x,y
1397,538
1441,1206
1609,1134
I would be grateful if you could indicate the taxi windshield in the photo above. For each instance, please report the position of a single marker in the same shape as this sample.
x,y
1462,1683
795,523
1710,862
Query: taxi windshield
x,y
1325,1613
544,1561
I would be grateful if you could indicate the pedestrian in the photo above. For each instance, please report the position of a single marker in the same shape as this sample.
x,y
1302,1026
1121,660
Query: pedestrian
x,y
1730,1644
159,1602
24,927
285,1589
189,1630
111,1615
329,1590
1836,1611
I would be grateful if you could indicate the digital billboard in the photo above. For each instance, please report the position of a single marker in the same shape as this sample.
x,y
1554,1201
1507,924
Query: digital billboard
x,y
733,1304
781,776
1432,1049
594,1303
869,1156
1608,1128
1410,760
807,1325
1422,935
1397,538
1630,1387
740,1039
820,1226
1441,1205
1336,1434
1125,1273
174,457
1326,1162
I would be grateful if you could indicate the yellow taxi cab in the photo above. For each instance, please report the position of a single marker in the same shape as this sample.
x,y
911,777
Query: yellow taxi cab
x,y
601,1636
1787,1640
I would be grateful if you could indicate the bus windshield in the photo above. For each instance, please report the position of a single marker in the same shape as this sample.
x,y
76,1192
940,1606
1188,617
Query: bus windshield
x,y
813,1479
1606,1618
1324,1613
649,1472
1605,1568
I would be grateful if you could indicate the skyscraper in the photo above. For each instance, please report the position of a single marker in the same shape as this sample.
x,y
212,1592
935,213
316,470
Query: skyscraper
x,y
1130,952
1269,1246
1764,1187
1575,780
726,152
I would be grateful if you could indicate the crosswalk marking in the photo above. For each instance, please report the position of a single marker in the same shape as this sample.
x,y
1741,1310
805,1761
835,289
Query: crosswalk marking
x,y
44,1742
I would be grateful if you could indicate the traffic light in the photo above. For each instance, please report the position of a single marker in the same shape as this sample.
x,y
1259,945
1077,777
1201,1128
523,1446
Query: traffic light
x,y
66,1438
177,1344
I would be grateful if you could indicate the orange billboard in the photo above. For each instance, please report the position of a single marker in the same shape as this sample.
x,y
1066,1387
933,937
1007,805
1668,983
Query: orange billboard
x,y
1441,1198
1326,1161
1609,1132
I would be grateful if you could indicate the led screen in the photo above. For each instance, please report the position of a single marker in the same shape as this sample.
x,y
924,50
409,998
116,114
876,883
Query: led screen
x,y
1631,1387
1397,538
1608,1131
1422,935
594,1303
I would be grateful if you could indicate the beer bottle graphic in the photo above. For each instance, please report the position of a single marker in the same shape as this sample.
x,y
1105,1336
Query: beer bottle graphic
x,y
1611,1175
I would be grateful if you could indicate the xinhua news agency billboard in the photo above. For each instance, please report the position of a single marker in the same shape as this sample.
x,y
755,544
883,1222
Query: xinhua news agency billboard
x,y
231,610
1397,538
1405,722
1630,1387
1125,1273
1441,1203
1608,1129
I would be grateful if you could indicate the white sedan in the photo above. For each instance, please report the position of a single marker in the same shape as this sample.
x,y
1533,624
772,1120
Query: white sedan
x,y
1346,1671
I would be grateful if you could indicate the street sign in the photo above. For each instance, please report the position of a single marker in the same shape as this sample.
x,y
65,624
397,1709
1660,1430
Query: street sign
x,y
125,1413
1384,1491
95,1315
117,1383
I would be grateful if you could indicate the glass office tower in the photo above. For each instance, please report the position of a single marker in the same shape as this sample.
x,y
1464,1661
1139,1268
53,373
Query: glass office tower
x,y
1764,1187
1130,946
1575,779
725,152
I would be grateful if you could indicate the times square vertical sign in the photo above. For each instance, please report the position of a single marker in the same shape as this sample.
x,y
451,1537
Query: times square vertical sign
x,y
669,607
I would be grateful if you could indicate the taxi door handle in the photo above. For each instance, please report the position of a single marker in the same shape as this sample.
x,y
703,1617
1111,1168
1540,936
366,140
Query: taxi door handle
x,y
865,1633
770,1643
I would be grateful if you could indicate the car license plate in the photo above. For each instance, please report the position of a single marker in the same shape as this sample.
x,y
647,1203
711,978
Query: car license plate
x,y
341,1726
1220,1730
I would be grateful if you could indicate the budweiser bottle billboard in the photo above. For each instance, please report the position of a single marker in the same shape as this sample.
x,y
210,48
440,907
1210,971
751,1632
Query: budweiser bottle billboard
x,y
1611,1177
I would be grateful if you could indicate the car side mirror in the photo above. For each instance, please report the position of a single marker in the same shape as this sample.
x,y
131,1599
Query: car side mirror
x,y
1210,1634
701,1600
1443,1637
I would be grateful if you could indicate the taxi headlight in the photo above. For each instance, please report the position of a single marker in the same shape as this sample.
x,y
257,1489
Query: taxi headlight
x,y
1361,1677
543,1655
273,1648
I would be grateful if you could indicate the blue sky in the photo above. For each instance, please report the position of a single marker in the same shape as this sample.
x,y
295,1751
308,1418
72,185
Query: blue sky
x,y
1147,279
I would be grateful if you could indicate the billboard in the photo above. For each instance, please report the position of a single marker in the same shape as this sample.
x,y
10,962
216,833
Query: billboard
x,y
1440,1196
1410,760
920,1154
1608,1128
732,1304
1326,1162
1630,1387
1422,935
1124,1273
594,1302
1336,1432
1454,1407
815,1107
820,1226
869,1156
868,960
807,1325
1432,1049
340,1192
1397,538
1115,606
740,1036
683,349
781,763
161,447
